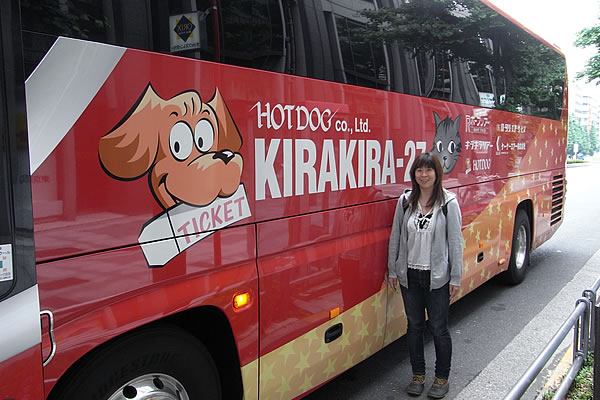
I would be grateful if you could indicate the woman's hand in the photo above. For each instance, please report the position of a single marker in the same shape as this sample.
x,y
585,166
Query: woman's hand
x,y
393,283
454,291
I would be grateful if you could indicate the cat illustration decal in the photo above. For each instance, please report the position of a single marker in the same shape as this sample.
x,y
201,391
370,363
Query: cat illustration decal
x,y
446,142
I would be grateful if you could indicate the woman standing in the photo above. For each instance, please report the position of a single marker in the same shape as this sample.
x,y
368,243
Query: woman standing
x,y
425,260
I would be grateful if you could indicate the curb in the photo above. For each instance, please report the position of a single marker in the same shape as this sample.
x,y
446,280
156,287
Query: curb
x,y
559,372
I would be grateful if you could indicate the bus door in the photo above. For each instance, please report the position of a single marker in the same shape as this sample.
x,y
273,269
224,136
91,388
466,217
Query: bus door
x,y
20,327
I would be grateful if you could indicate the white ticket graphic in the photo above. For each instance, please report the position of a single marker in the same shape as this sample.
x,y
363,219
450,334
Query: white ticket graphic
x,y
176,229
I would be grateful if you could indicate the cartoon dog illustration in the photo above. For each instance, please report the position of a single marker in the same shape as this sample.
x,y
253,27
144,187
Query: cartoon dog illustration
x,y
446,143
190,149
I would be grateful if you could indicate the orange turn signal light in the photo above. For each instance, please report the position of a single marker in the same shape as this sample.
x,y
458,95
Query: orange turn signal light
x,y
240,300
334,313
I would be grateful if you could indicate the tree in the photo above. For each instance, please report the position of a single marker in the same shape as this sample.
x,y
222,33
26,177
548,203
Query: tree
x,y
590,37
587,140
470,32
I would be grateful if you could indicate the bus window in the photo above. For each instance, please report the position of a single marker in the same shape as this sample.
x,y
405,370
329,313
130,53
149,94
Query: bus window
x,y
364,63
253,34
514,70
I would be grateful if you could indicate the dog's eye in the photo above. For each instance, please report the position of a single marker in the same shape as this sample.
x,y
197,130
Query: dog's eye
x,y
181,141
204,135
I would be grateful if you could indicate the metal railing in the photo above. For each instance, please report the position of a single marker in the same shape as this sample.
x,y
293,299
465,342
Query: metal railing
x,y
582,320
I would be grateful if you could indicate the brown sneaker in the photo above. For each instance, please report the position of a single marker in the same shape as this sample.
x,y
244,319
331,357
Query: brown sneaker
x,y
416,385
439,389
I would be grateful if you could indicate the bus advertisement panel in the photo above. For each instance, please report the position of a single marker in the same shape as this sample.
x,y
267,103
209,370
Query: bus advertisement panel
x,y
223,229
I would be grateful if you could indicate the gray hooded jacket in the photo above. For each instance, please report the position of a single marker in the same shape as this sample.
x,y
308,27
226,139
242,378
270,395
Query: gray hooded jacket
x,y
446,249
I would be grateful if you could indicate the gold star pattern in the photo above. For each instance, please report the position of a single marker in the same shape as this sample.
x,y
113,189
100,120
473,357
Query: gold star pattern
x,y
357,313
488,236
367,351
303,363
364,331
379,331
307,384
330,370
310,336
349,361
283,388
509,214
287,351
266,373
345,342
377,301
323,349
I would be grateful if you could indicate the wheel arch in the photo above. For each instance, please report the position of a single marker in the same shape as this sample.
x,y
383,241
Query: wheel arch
x,y
527,206
218,340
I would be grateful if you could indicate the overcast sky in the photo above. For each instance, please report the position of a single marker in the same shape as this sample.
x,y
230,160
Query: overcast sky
x,y
557,21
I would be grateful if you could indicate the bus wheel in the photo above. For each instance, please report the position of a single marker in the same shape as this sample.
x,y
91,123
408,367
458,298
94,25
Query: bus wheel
x,y
154,363
519,255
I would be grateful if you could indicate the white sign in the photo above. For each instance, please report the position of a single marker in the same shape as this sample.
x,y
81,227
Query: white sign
x,y
487,100
6,262
184,32
178,228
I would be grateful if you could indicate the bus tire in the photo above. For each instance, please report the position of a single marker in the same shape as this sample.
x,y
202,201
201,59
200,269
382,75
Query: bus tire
x,y
521,246
172,363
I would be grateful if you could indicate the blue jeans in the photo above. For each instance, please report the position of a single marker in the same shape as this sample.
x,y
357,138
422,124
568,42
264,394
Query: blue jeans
x,y
418,298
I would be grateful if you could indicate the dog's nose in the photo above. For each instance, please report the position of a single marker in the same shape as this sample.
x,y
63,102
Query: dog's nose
x,y
223,155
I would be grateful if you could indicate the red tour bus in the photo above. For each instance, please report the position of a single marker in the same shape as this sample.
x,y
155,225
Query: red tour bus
x,y
198,194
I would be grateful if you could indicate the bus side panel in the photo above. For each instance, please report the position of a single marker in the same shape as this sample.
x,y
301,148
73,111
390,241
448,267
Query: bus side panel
x,y
97,297
311,267
22,376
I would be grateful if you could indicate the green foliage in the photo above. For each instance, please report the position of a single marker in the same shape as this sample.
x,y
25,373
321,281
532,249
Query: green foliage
x,y
588,141
467,30
582,386
585,38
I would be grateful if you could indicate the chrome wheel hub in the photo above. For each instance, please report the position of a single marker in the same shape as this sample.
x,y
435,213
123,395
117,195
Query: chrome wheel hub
x,y
520,247
151,387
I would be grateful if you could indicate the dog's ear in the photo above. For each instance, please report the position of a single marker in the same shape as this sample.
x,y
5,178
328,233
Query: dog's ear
x,y
129,150
229,135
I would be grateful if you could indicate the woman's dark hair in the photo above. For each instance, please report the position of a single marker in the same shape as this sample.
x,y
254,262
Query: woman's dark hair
x,y
427,160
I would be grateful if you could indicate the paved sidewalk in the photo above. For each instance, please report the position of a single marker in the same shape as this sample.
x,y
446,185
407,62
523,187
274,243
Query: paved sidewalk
x,y
496,380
